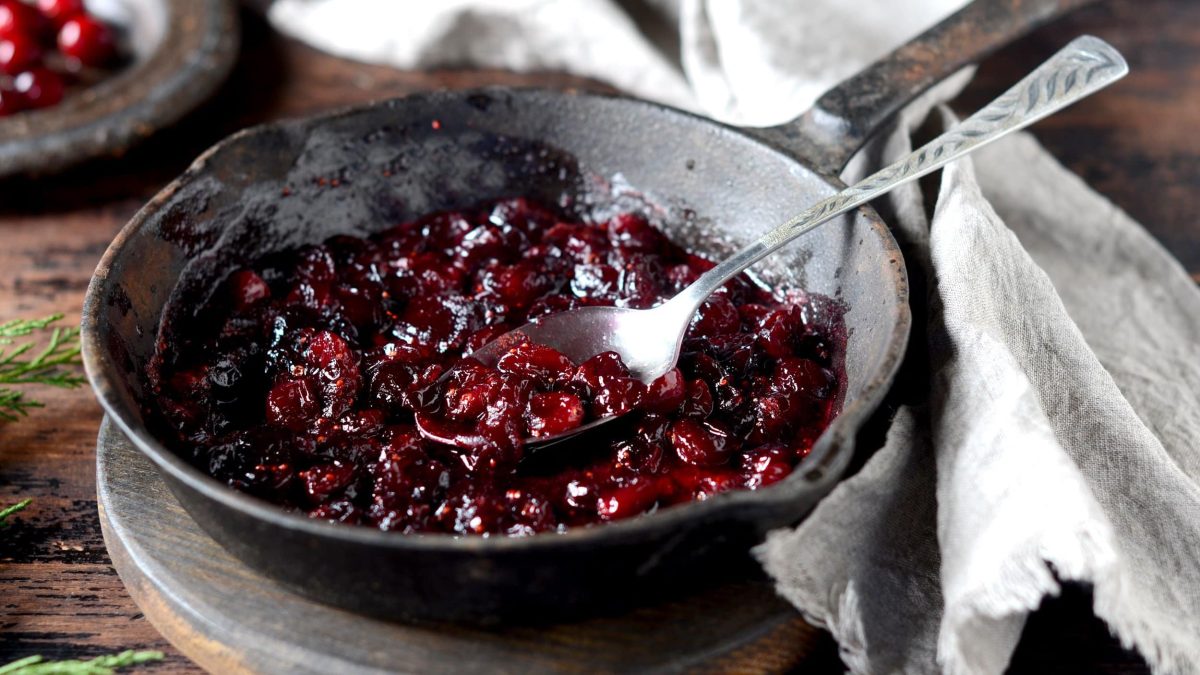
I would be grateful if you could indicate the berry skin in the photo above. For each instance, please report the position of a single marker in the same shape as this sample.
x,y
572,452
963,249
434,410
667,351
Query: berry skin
x,y
18,18
11,101
554,413
18,53
247,289
58,11
695,445
87,40
39,88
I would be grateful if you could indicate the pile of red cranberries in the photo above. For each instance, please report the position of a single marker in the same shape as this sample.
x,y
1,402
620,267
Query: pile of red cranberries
x,y
44,47
302,378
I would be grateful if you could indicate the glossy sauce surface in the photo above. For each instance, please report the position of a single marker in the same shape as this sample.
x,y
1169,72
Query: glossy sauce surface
x,y
299,382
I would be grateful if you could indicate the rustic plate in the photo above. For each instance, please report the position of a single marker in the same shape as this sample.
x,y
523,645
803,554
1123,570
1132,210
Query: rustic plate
x,y
231,619
181,50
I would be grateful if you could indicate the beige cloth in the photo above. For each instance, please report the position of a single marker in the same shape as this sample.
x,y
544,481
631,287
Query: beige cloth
x,y
1058,438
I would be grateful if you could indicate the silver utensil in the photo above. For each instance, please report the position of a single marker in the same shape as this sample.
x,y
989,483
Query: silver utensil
x,y
649,340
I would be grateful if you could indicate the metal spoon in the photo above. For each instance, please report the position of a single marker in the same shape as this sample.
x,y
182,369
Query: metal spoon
x,y
649,340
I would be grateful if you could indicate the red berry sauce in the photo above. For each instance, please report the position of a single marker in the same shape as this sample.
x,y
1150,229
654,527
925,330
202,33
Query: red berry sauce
x,y
301,379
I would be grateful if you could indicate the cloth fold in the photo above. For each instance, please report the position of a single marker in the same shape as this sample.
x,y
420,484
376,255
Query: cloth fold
x,y
1054,436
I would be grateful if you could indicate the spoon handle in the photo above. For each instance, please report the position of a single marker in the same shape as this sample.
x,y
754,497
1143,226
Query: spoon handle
x,y
1083,67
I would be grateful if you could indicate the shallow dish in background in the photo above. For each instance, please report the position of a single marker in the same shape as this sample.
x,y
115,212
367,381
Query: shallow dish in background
x,y
179,52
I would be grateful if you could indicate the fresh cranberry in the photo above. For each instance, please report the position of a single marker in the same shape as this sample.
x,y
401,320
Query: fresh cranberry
x,y
11,101
17,18
39,88
19,52
58,11
87,40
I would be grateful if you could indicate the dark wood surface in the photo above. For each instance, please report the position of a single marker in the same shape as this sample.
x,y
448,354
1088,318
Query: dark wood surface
x,y
1137,143
226,617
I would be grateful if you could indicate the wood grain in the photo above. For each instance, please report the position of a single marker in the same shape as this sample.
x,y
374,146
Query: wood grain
x,y
227,617
1136,142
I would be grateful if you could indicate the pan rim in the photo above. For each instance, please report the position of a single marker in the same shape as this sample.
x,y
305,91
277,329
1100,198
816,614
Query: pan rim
x,y
821,468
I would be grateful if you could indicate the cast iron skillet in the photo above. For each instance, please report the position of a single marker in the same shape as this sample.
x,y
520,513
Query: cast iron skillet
x,y
713,186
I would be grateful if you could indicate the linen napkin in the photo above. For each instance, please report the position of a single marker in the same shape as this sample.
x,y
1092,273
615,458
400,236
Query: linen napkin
x,y
1054,436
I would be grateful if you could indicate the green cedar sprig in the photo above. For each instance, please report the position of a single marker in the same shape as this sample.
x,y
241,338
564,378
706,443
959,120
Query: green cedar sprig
x,y
101,665
24,364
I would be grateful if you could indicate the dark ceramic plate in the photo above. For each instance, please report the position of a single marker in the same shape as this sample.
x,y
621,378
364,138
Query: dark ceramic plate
x,y
181,50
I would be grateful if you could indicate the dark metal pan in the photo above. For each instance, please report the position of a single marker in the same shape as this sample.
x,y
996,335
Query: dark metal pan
x,y
714,186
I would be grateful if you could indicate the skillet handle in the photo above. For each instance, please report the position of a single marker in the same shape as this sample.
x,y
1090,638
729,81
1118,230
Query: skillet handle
x,y
845,117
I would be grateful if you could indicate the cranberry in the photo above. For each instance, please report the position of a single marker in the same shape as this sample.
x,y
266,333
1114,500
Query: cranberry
x,y
778,329
601,366
666,393
717,316
324,481
39,88
628,500
336,368
544,365
698,403
617,396
18,53
766,465
292,404
694,444
633,233
553,413
596,282
10,101
17,18
87,40
337,511
639,456
58,11
247,289
800,375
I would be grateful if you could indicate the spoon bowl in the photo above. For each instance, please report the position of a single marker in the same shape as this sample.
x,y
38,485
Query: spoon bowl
x,y
649,341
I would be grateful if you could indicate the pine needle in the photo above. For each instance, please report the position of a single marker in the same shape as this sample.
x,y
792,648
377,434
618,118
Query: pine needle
x,y
101,665
8,511
24,363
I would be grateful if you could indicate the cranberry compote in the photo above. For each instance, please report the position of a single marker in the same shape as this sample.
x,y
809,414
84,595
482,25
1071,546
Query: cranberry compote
x,y
301,380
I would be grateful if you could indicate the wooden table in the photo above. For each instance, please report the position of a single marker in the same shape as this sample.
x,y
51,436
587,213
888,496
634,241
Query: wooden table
x,y
1136,143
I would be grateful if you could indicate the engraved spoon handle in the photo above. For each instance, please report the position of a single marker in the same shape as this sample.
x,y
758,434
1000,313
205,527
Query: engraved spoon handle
x,y
1083,67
